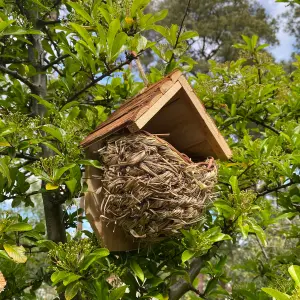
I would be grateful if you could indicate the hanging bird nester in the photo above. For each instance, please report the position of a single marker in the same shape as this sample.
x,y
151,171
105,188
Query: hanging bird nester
x,y
158,170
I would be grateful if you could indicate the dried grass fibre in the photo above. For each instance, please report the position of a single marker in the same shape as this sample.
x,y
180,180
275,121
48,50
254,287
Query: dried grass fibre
x,y
149,188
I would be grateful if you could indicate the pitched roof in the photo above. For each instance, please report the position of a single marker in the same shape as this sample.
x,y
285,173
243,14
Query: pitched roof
x,y
137,112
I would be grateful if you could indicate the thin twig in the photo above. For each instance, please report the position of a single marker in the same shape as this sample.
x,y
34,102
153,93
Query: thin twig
x,y
275,189
180,30
52,41
25,156
106,74
55,68
195,291
262,248
51,22
264,125
56,61
14,61
16,75
246,170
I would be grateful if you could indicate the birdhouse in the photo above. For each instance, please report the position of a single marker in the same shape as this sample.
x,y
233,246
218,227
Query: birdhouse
x,y
158,170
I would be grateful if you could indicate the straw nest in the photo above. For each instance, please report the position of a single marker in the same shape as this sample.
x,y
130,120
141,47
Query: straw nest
x,y
149,188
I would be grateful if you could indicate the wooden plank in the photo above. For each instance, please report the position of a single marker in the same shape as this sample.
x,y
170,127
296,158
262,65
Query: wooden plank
x,y
213,135
156,107
175,76
133,127
111,235
166,86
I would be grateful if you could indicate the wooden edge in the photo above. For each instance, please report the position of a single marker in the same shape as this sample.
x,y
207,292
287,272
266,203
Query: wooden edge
x,y
166,86
111,235
175,76
94,136
156,107
133,128
146,107
214,136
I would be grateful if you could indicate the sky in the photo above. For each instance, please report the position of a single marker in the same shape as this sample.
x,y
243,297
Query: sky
x,y
284,50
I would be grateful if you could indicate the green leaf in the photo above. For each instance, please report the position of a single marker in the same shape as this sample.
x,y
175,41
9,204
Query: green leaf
x,y
188,35
90,162
59,172
254,40
186,255
172,38
51,186
43,102
85,35
224,208
114,27
283,216
5,24
16,30
72,290
80,11
69,105
211,285
138,4
4,169
258,231
137,270
19,227
101,289
53,148
118,293
54,131
276,294
71,277
40,4
58,276
234,184
71,184
97,254
120,41
105,14
247,40
4,255
233,109
47,244
295,274
260,47
17,253
142,43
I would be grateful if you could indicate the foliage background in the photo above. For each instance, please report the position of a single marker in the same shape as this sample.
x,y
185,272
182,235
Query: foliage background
x,y
64,67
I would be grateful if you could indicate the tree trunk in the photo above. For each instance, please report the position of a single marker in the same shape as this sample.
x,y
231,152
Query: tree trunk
x,y
53,208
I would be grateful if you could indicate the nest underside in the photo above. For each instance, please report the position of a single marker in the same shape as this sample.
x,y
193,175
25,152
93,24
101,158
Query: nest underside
x,y
149,188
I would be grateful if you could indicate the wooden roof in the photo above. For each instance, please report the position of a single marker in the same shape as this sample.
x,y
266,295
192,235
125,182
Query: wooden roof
x,y
137,113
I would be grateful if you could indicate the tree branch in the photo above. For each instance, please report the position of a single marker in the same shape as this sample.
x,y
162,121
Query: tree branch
x,y
25,156
16,75
264,125
180,30
181,287
54,6
262,248
54,62
55,68
275,189
51,41
96,80
50,22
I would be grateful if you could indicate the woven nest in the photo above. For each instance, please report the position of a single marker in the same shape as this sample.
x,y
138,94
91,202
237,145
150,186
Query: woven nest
x,y
149,188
